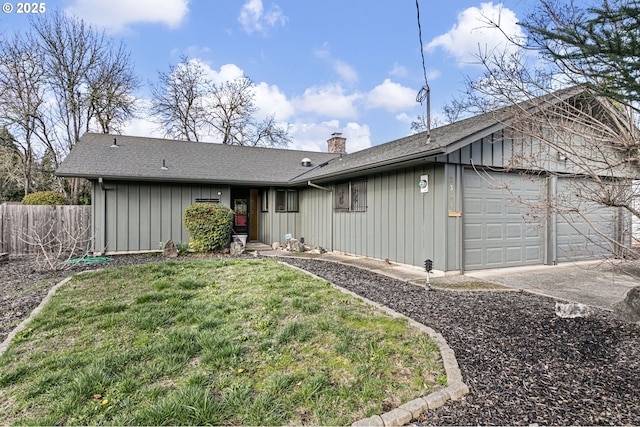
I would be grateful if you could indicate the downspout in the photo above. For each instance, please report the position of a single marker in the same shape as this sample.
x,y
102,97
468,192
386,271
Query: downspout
x,y
104,214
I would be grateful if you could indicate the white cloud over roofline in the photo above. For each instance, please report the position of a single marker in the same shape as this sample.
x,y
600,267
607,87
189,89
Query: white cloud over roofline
x,y
472,33
116,15
391,96
330,101
314,136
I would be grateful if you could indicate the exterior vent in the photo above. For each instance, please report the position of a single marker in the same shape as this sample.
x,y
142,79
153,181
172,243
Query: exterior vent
x,y
306,162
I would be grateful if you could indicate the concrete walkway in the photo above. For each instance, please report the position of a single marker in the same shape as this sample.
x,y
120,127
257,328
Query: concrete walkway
x,y
596,284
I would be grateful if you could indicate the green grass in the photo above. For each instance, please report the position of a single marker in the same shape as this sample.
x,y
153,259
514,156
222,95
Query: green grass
x,y
221,342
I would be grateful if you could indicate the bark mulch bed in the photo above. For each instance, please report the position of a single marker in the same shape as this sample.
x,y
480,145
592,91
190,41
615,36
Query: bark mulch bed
x,y
523,364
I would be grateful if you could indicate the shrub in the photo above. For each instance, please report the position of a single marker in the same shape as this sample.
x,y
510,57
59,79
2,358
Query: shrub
x,y
44,198
210,226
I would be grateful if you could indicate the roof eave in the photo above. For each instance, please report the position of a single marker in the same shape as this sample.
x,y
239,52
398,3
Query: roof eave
x,y
160,179
374,167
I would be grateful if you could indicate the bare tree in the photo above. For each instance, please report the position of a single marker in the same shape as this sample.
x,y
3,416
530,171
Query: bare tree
x,y
190,106
58,245
57,81
233,113
564,114
10,167
22,86
178,100
111,83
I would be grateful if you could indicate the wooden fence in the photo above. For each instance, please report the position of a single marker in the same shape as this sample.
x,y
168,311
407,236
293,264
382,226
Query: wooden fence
x,y
23,228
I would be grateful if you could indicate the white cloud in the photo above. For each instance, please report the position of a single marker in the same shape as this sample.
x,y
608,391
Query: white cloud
x,y
405,118
329,101
472,34
399,70
116,15
314,136
391,96
346,72
270,100
254,18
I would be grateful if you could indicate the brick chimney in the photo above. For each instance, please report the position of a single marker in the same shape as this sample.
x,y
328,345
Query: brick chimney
x,y
337,144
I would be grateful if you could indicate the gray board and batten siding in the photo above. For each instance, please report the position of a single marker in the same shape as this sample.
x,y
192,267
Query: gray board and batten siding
x,y
139,216
400,223
464,221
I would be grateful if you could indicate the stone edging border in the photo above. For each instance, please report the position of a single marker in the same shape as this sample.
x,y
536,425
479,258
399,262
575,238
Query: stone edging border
x,y
454,390
22,325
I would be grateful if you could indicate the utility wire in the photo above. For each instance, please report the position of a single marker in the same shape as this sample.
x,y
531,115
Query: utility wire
x,y
422,94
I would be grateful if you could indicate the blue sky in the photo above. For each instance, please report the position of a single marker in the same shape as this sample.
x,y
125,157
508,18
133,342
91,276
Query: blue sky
x,y
322,66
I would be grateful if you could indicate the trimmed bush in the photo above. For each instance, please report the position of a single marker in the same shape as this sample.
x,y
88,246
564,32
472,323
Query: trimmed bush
x,y
210,226
44,198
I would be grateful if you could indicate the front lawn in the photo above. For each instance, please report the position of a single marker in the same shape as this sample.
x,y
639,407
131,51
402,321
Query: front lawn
x,y
222,342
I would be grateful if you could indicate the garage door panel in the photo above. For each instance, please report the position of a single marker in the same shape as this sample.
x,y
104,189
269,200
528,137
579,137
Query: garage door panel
x,y
473,206
495,256
474,232
514,255
474,257
514,231
494,206
494,231
506,240
577,240
533,254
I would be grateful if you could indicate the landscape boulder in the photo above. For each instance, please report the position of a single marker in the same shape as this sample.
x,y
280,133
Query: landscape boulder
x,y
572,310
629,308
236,248
170,250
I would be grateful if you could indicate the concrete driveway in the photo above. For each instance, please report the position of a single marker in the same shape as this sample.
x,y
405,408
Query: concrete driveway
x,y
595,284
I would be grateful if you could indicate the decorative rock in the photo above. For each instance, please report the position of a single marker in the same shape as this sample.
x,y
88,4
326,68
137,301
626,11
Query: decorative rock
x,y
170,250
629,308
573,310
293,245
236,248
275,246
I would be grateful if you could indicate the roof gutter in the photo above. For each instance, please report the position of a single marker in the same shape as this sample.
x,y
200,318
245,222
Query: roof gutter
x,y
382,164
311,184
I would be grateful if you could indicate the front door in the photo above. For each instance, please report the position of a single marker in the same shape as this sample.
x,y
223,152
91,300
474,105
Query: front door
x,y
240,220
253,214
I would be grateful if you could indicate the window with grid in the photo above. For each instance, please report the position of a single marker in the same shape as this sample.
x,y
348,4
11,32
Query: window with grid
x,y
287,200
350,197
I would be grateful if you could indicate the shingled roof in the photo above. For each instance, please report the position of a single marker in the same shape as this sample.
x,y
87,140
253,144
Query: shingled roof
x,y
137,158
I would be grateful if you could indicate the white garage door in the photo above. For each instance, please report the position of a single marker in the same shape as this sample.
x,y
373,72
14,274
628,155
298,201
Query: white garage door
x,y
577,238
497,230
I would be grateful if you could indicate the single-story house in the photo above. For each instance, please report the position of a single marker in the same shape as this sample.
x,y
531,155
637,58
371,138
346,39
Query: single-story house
x,y
447,196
